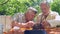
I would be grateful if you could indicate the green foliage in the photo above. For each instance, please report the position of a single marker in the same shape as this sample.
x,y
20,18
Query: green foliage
x,y
55,6
10,7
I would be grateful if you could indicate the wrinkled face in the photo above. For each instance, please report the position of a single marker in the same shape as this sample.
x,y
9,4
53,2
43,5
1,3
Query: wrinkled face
x,y
30,15
45,8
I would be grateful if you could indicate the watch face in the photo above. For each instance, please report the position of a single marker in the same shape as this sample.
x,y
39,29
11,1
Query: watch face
x,y
3,1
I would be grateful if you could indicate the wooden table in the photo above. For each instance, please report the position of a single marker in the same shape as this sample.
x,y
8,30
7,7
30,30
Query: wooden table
x,y
53,30
49,31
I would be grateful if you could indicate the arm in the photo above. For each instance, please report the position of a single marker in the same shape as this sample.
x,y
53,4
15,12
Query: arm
x,y
14,19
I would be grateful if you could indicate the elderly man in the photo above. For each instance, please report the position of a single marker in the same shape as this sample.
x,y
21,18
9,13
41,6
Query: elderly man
x,y
25,18
45,17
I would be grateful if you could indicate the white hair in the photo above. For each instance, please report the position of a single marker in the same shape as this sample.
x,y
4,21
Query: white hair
x,y
45,2
32,9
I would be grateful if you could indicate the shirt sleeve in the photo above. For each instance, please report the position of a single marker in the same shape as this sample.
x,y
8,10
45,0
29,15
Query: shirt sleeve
x,y
17,17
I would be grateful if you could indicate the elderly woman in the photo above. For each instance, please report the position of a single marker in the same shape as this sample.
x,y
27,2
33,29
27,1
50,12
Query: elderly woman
x,y
28,16
24,20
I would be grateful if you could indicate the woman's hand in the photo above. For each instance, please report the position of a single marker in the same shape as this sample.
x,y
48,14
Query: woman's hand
x,y
30,24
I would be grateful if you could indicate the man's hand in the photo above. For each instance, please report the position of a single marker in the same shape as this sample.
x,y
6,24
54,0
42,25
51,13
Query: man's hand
x,y
46,24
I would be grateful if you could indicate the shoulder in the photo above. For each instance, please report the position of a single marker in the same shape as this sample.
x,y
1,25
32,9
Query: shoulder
x,y
54,13
18,14
39,15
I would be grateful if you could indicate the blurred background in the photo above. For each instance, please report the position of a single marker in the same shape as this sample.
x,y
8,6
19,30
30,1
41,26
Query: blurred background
x,y
10,7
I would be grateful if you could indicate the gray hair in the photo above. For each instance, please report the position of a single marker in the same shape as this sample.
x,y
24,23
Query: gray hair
x,y
31,8
45,2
